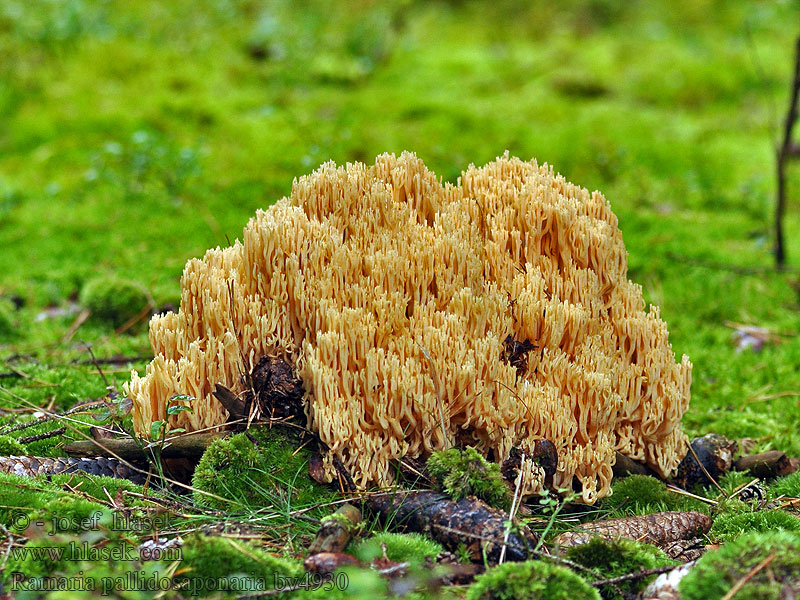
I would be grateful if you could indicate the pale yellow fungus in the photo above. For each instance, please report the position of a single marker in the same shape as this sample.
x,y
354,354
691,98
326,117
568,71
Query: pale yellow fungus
x,y
362,271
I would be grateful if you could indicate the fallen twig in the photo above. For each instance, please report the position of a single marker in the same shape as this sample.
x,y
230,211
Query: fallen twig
x,y
42,436
632,576
747,577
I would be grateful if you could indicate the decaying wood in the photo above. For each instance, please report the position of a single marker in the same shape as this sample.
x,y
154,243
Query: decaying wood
x,y
184,446
515,353
659,529
544,454
468,521
30,466
325,563
708,458
335,532
624,466
42,436
275,392
766,465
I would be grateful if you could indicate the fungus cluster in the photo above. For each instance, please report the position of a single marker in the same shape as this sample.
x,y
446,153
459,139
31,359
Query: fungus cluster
x,y
395,297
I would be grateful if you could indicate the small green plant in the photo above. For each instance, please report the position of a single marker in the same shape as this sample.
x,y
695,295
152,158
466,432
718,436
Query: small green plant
x,y
551,506
765,561
401,547
788,486
159,430
462,473
531,580
728,527
115,301
611,559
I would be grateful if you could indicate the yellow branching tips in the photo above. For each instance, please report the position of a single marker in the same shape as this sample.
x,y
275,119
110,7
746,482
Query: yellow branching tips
x,y
394,296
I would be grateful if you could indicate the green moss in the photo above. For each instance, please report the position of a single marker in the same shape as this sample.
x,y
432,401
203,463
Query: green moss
x,y
728,527
268,473
718,571
619,557
788,486
640,495
11,447
352,583
225,564
108,565
20,495
532,580
115,301
69,513
102,488
401,547
462,473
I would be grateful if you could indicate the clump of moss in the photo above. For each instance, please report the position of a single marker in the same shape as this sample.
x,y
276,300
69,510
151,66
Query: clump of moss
x,y
730,526
353,583
69,513
718,571
11,447
611,559
215,564
401,547
53,557
7,325
101,487
787,486
531,580
20,496
641,495
462,473
262,468
115,301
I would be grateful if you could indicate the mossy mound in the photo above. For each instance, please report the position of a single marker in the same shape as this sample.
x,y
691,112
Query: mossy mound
x,y
611,559
70,513
221,564
462,473
717,572
531,580
353,583
115,301
730,526
642,495
42,573
21,495
11,447
262,468
400,547
28,498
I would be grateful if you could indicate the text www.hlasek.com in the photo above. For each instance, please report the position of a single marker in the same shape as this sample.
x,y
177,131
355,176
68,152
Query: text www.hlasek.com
x,y
86,551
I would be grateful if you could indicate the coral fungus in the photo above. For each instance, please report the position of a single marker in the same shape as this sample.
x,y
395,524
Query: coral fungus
x,y
394,297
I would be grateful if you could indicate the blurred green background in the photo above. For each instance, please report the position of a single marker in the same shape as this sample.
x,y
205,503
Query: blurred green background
x,y
134,135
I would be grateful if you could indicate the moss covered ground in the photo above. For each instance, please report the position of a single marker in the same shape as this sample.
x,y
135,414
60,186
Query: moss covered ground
x,y
134,135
